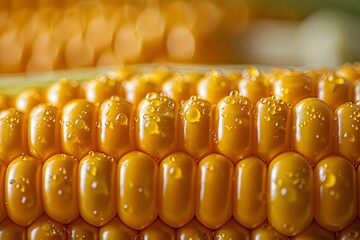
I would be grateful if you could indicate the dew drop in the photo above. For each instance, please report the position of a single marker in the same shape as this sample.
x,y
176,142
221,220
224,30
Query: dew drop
x,y
151,127
79,123
192,115
72,137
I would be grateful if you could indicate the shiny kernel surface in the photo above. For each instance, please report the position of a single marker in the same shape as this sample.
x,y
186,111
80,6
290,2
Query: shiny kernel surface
x,y
335,193
81,230
23,190
158,230
312,129
97,172
179,87
177,189
194,230
351,232
28,99
62,92
60,188
272,128
232,230
10,231
137,87
102,88
2,193
266,232
233,123
117,230
156,126
214,186
136,190
249,194
314,231
290,193
47,229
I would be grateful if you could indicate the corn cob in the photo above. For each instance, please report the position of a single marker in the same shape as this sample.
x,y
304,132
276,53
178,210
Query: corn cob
x,y
81,162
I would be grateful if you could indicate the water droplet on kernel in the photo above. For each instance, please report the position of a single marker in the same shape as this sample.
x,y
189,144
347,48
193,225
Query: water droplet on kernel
x,y
192,115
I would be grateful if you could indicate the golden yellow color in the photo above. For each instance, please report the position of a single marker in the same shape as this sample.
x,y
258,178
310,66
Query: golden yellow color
x,y
2,193
254,85
46,229
194,230
115,120
272,128
349,71
81,230
315,232
214,186
234,127
249,195
12,134
177,189
357,91
156,126
97,173
335,193
312,129
5,101
28,99
358,188
60,188
195,127
214,86
62,92
232,230
290,206
158,230
23,190
266,232
136,190
351,232
346,129
44,131
78,130
180,87
12,231
138,86
291,86
101,88
116,230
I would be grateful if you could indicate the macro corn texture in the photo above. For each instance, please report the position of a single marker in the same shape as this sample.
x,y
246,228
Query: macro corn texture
x,y
240,154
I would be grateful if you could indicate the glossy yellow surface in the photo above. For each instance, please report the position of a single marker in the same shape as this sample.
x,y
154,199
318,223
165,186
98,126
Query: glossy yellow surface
x,y
314,231
347,125
62,92
272,128
78,130
249,194
12,231
60,188
13,140
97,202
81,230
44,131
116,230
157,126
214,86
233,126
177,189
352,232
46,229
136,190
23,190
101,88
194,230
28,99
290,207
357,91
214,186
232,230
196,119
5,101
335,193
115,119
2,193
312,129
179,87
158,230
138,86
266,232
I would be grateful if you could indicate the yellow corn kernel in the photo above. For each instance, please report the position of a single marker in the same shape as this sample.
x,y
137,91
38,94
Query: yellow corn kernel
x,y
179,87
290,193
233,127
266,232
23,190
349,71
117,230
137,88
272,125
12,134
102,88
60,188
46,229
136,190
214,180
10,231
77,131
315,232
357,90
195,127
115,119
249,195
214,86
28,99
351,232
335,193
43,131
346,129
156,126
232,230
312,128
2,193
357,188
177,189
62,92
5,101
158,230
80,230
194,230
97,172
